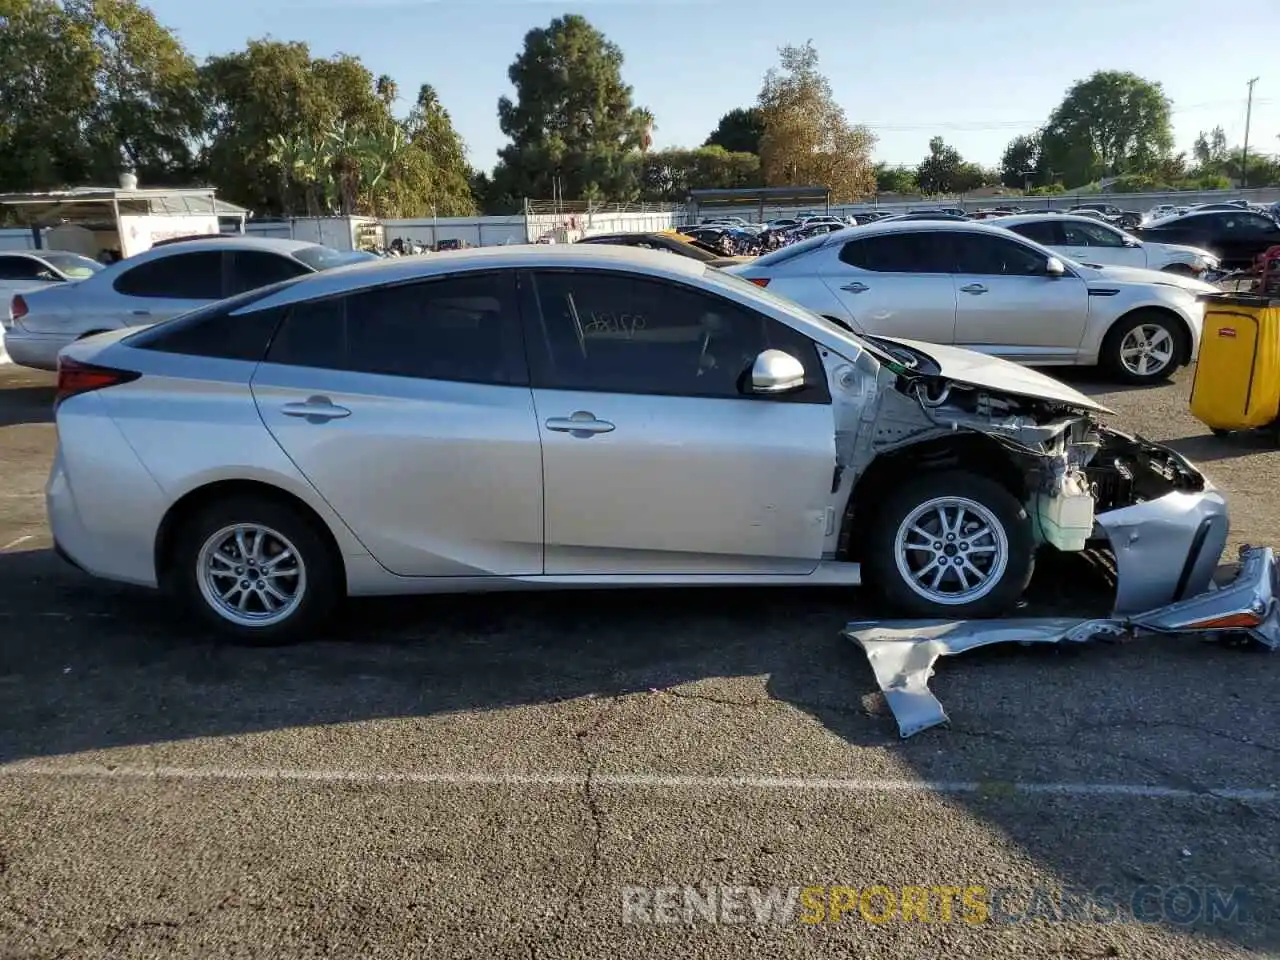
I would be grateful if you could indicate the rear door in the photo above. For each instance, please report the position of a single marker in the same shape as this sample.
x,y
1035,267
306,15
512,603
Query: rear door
x,y
163,287
1092,242
894,284
1009,306
655,460
408,409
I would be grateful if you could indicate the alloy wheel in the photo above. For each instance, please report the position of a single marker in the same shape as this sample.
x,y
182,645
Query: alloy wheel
x,y
251,575
951,550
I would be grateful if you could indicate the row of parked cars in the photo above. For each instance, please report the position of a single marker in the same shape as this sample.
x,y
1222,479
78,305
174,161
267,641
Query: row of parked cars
x,y
262,427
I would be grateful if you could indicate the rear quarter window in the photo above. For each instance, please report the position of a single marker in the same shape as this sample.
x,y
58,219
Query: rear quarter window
x,y
227,330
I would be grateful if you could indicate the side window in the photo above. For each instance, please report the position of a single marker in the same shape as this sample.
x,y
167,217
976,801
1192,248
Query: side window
x,y
898,253
623,333
464,328
978,253
21,268
1257,224
1041,231
183,276
1090,235
251,269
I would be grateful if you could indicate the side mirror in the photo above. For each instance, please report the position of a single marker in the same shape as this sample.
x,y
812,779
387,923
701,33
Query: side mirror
x,y
1054,268
775,372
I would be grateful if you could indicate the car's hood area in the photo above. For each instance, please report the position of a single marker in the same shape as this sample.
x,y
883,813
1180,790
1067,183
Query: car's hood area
x,y
1095,275
992,373
1181,248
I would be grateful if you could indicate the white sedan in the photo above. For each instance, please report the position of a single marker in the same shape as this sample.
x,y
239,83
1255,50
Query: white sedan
x,y
153,286
22,270
990,290
1093,241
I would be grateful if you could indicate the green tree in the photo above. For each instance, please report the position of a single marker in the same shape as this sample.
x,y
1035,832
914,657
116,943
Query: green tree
x,y
572,118
1108,124
1023,162
668,175
1210,149
807,139
895,179
940,171
93,88
430,130
739,131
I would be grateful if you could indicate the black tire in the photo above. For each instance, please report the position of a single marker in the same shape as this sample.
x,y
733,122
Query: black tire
x,y
1219,432
1000,596
321,582
1110,356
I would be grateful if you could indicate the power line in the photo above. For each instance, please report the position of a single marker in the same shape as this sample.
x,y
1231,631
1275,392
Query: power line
x,y
981,125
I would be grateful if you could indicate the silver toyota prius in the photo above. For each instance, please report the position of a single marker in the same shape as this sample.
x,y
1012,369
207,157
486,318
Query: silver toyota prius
x,y
565,416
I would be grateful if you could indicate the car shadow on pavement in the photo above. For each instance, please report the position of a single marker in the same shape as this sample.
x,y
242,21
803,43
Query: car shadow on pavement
x,y
27,405
89,666
1205,447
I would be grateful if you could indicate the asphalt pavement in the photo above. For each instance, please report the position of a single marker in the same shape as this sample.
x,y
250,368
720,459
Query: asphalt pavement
x,y
515,776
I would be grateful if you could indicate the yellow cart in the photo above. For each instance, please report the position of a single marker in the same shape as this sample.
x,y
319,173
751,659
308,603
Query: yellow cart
x,y
1237,381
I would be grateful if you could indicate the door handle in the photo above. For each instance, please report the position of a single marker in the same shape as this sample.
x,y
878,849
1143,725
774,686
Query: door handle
x,y
316,410
856,287
141,313
974,288
581,424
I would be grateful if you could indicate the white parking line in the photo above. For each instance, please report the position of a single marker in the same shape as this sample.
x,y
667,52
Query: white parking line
x,y
643,781
13,543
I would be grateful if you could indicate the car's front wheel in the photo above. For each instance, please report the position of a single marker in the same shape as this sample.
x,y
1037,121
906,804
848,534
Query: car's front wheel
x,y
951,544
1144,347
256,569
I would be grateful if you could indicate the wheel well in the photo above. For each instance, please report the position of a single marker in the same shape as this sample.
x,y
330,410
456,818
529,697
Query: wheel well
x,y
1181,269
1180,325
192,502
973,452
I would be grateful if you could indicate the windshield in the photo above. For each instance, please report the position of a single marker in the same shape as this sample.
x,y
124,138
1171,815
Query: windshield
x,y
71,264
326,258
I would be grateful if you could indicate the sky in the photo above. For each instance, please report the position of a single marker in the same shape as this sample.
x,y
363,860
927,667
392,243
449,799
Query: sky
x,y
977,72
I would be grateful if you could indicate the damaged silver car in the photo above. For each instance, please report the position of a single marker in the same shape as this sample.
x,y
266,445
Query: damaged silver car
x,y
567,416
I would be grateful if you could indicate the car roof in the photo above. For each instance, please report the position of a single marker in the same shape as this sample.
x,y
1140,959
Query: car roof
x,y
882,227
507,257
1016,218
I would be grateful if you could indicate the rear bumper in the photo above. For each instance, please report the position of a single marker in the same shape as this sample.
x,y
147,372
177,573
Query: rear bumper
x,y
37,350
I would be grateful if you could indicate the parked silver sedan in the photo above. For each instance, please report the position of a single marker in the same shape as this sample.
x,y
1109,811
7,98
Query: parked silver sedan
x,y
23,270
152,286
990,290
567,416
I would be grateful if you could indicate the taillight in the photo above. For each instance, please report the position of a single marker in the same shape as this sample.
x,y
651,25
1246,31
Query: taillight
x,y
18,309
75,378
759,281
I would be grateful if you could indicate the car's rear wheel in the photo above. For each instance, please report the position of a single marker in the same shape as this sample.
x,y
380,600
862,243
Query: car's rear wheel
x,y
951,544
257,570
1145,347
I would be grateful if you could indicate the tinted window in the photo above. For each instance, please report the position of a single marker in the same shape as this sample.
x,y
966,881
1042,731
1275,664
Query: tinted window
x,y
251,269
326,258
183,276
21,268
462,328
994,256
228,330
620,333
1079,234
1041,231
898,253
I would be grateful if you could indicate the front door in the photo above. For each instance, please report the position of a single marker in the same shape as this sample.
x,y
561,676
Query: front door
x,y
1008,306
408,409
654,460
894,285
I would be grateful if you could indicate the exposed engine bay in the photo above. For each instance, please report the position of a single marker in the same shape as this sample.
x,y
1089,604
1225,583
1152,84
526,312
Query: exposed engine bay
x,y
1067,453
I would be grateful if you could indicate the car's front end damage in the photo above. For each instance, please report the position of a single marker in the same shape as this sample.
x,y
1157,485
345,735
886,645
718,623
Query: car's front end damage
x,y
1082,483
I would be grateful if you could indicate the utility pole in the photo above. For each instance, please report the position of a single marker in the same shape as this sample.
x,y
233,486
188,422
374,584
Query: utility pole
x,y
1244,152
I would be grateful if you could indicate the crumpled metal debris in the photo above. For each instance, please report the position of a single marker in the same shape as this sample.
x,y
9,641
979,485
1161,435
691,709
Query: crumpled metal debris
x,y
902,652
